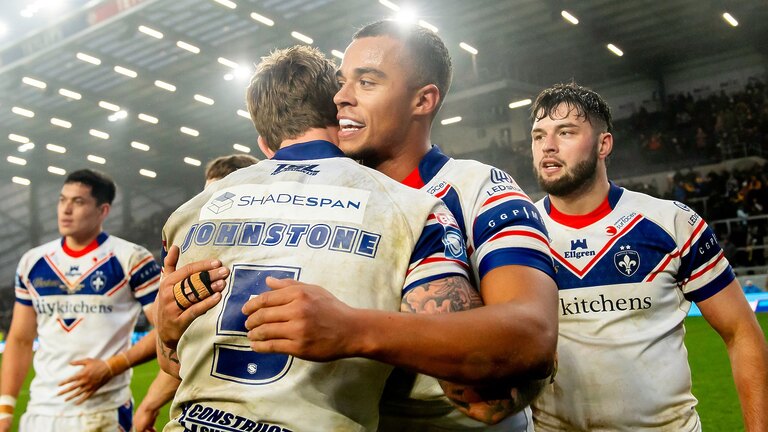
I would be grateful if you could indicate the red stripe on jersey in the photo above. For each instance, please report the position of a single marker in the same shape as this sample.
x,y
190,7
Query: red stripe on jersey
x,y
580,221
600,254
78,253
443,191
675,254
142,262
709,267
537,236
505,195
117,288
147,284
67,328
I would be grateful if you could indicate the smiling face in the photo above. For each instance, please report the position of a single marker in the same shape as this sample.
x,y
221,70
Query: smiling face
x,y
376,99
566,151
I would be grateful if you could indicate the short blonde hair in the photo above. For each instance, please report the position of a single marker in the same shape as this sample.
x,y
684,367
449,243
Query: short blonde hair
x,y
291,92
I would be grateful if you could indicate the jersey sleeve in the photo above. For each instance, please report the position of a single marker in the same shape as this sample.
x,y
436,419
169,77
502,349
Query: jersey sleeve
x,y
440,251
144,276
23,295
507,229
704,271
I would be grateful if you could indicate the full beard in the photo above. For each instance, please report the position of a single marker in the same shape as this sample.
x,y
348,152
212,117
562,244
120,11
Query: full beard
x,y
579,178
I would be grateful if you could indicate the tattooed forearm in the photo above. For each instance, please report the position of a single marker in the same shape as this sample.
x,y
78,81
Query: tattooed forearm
x,y
450,294
166,352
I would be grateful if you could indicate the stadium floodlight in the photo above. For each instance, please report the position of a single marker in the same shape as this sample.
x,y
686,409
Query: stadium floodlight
x,y
427,26
139,146
229,77
243,113
56,170
227,3
204,99
118,116
88,58
390,5
96,159
468,48
569,17
33,82
192,161
109,106
614,49
99,134
262,19
188,47
151,32
165,86
241,148
227,62
730,19
520,103
70,94
189,131
338,54
125,71
16,160
21,180
147,173
302,37
18,138
60,123
22,112
26,147
148,118
451,120
55,148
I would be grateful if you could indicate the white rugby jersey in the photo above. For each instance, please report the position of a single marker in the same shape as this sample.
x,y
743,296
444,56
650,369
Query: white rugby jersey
x,y
501,227
87,303
313,215
627,274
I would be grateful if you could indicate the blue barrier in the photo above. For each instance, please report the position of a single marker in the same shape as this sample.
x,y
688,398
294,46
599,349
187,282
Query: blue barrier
x,y
758,302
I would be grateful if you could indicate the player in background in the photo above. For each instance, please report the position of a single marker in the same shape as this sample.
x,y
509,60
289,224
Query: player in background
x,y
81,295
306,214
217,169
629,266
394,78
164,386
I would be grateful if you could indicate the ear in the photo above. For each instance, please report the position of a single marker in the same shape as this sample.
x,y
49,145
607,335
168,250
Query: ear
x,y
105,208
268,152
605,145
426,100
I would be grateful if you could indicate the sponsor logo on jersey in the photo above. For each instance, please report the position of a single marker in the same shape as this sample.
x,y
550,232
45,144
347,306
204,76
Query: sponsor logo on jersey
x,y
222,203
196,417
611,231
70,308
74,271
98,281
498,176
288,201
620,222
304,169
577,306
575,253
627,261
39,282
682,206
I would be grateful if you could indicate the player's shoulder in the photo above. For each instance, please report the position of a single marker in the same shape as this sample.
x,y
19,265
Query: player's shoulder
x,y
658,209
39,251
395,190
477,179
121,246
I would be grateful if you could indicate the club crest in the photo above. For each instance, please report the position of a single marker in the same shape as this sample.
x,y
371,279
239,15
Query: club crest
x,y
627,261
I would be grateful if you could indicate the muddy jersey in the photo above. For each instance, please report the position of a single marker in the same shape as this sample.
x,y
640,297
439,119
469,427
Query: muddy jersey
x,y
313,215
501,227
87,303
627,274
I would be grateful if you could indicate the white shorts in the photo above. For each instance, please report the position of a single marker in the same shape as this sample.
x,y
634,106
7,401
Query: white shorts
x,y
114,420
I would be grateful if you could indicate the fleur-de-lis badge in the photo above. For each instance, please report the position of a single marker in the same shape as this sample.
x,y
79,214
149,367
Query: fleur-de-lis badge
x,y
627,261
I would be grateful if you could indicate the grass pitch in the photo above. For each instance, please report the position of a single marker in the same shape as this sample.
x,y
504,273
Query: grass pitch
x,y
712,381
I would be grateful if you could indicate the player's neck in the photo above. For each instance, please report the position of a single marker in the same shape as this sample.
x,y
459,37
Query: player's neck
x,y
406,159
585,200
80,242
314,134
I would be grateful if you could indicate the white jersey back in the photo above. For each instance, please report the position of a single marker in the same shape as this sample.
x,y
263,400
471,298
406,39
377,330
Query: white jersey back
x,y
308,214
626,281
501,227
87,303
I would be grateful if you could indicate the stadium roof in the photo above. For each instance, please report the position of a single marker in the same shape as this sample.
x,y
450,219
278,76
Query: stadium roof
x,y
156,87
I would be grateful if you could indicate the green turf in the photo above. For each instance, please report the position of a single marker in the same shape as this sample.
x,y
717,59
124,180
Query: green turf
x,y
712,381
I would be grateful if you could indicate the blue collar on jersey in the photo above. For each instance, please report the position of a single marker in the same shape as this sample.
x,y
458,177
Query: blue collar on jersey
x,y
318,149
614,193
428,168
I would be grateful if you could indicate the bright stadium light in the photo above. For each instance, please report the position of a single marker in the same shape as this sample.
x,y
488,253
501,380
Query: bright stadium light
x,y
26,147
96,159
109,106
451,120
262,19
614,49
16,160
244,114
151,32
34,82
55,148
165,86
192,161
428,26
468,48
338,54
189,131
88,58
147,173
99,134
118,116
204,99
241,148
21,180
189,47
139,146
227,62
70,94
56,170
302,37
22,112
390,5
148,118
520,103
730,19
60,123
18,138
569,17
125,71
227,3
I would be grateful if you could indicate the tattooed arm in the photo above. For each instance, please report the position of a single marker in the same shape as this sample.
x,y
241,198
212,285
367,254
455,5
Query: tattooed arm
x,y
168,359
